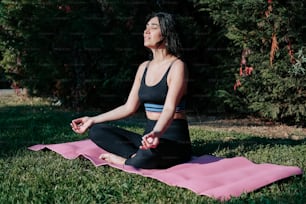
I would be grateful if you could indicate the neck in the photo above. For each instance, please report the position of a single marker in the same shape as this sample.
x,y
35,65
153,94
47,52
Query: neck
x,y
160,54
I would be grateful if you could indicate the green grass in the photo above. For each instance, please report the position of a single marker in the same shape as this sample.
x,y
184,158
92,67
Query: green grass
x,y
46,177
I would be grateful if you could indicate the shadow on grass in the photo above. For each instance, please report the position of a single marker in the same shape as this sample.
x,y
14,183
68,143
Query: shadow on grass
x,y
203,146
25,125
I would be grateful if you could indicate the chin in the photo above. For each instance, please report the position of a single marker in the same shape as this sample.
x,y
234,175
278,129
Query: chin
x,y
149,45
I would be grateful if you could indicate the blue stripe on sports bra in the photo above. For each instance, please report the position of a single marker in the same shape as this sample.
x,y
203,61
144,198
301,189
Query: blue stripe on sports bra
x,y
159,108
153,107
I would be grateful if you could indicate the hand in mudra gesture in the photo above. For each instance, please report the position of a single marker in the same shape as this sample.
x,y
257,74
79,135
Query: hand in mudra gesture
x,y
80,125
150,140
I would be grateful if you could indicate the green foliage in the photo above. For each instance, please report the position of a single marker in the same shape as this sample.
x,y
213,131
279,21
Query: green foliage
x,y
71,50
85,53
264,36
298,68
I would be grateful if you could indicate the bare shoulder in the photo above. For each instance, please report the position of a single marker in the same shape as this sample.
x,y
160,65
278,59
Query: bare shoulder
x,y
178,62
142,66
178,66
141,69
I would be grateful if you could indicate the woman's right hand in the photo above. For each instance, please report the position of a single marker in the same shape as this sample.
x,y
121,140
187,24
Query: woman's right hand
x,y
80,125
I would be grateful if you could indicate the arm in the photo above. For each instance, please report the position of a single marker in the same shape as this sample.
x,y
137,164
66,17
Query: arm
x,y
177,84
80,125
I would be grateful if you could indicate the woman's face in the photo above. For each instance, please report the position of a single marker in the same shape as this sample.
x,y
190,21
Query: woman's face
x,y
152,34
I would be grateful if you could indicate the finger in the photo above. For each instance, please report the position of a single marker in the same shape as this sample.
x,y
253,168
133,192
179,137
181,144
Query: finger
x,y
78,130
154,143
146,144
78,120
143,146
72,125
150,140
75,124
74,128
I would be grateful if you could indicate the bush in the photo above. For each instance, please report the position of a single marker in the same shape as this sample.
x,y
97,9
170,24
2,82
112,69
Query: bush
x,y
71,51
83,53
266,37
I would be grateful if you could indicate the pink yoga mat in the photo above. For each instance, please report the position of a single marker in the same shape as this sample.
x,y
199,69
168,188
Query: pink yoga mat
x,y
219,178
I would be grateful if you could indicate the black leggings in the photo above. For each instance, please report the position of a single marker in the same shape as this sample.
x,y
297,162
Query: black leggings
x,y
174,146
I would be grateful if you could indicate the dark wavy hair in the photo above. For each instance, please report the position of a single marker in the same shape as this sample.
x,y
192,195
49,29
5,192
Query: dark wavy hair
x,y
169,32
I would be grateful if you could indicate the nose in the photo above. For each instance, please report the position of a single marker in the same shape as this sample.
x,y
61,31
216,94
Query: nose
x,y
146,31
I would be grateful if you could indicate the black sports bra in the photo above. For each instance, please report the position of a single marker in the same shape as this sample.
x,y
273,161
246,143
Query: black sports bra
x,y
153,97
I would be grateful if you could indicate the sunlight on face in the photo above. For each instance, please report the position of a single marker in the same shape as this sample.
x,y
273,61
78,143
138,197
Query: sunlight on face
x,y
152,33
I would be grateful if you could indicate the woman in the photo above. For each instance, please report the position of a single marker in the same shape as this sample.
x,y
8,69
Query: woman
x,y
160,84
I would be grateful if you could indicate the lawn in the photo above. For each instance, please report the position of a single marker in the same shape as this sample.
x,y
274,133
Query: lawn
x,y
46,177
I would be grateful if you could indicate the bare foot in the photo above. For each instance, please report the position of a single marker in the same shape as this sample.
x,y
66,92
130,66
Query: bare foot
x,y
112,158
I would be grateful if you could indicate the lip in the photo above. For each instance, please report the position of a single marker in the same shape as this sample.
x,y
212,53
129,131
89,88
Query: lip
x,y
146,37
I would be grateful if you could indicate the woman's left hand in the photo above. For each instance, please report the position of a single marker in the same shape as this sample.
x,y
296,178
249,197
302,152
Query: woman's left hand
x,y
150,140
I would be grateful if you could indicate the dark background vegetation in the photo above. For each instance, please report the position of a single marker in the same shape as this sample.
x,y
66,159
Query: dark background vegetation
x,y
86,53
